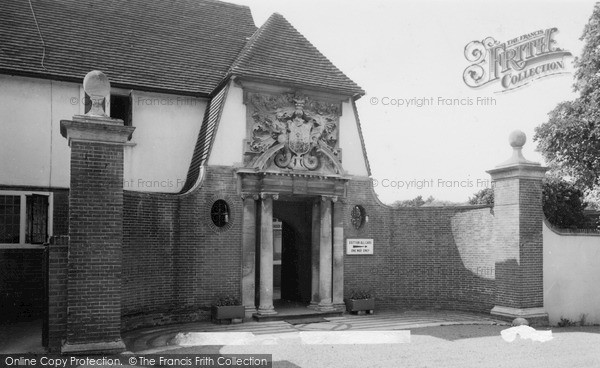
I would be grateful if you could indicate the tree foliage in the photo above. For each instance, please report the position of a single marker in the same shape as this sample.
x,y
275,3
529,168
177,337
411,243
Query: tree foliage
x,y
418,201
570,139
563,204
484,196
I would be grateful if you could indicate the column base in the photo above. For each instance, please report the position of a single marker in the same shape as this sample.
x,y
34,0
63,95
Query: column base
x,y
339,306
105,347
266,311
313,305
535,316
325,307
249,311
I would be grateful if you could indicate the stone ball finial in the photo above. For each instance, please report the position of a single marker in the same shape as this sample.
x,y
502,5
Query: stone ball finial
x,y
517,139
96,83
97,86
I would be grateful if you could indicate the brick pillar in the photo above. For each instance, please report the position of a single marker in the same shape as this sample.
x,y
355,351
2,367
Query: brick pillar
x,y
95,226
518,236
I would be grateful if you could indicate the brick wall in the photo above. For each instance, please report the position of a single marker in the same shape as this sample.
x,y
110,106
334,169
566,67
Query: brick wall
x,y
428,257
172,256
176,264
57,293
21,284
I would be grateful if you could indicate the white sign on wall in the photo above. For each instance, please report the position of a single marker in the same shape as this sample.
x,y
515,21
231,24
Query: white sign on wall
x,y
359,246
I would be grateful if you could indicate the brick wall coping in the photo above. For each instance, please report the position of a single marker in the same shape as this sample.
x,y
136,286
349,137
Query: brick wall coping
x,y
571,232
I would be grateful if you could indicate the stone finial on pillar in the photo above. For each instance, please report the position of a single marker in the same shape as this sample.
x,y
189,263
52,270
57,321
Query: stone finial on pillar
x,y
95,226
97,86
517,236
517,140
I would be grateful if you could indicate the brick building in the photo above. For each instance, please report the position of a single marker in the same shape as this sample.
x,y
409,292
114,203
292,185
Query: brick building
x,y
216,130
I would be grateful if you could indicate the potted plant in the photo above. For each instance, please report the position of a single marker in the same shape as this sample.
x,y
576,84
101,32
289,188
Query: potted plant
x,y
228,307
359,301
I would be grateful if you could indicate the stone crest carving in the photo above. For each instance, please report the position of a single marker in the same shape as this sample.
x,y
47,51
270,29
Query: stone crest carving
x,y
292,132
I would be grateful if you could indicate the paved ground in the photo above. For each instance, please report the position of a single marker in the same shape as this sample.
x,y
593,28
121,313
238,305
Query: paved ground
x,y
438,339
160,338
21,337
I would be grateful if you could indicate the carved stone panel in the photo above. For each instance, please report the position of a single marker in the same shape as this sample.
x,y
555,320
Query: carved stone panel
x,y
292,132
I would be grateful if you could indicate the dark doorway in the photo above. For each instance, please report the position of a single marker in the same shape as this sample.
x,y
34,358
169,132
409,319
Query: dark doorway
x,y
296,235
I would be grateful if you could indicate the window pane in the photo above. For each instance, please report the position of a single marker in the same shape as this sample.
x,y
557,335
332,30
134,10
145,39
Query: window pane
x,y
36,230
120,108
10,207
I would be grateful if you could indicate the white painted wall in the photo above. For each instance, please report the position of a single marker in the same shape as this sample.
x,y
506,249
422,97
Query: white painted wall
x,y
227,149
33,153
166,131
571,276
353,158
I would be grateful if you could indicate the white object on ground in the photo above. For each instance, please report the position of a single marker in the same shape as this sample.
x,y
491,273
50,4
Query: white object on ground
x,y
303,337
354,337
525,332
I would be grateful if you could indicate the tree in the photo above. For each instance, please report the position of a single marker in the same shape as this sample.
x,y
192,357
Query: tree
x,y
563,203
570,139
415,202
484,196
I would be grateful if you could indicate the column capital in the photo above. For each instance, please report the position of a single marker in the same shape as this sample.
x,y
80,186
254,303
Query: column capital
x,y
265,195
326,198
246,195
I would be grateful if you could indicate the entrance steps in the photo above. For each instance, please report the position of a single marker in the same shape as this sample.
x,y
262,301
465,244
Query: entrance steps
x,y
295,311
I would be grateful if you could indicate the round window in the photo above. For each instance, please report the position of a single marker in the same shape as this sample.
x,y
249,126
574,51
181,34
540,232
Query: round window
x,y
357,216
219,213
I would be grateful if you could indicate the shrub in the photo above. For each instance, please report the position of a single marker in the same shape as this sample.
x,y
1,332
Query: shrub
x,y
227,301
360,294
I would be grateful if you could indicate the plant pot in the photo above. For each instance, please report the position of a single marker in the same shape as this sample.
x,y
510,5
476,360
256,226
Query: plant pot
x,y
228,312
357,305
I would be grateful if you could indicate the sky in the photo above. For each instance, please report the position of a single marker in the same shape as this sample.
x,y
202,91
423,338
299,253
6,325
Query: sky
x,y
426,131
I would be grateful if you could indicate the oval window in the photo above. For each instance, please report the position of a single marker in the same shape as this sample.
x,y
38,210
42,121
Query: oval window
x,y
219,213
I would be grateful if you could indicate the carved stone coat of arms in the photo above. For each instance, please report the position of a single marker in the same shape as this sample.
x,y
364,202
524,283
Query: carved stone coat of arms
x,y
294,133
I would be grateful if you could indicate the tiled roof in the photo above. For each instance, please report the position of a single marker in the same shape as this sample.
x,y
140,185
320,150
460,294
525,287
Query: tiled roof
x,y
278,52
205,137
186,46
362,139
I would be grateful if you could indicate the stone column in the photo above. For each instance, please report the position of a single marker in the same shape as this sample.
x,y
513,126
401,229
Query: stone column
x,y
325,256
95,226
266,254
249,253
518,219
338,255
315,254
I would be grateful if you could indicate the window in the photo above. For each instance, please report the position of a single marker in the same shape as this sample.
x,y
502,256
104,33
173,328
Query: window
x,y
25,217
358,217
120,108
219,213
